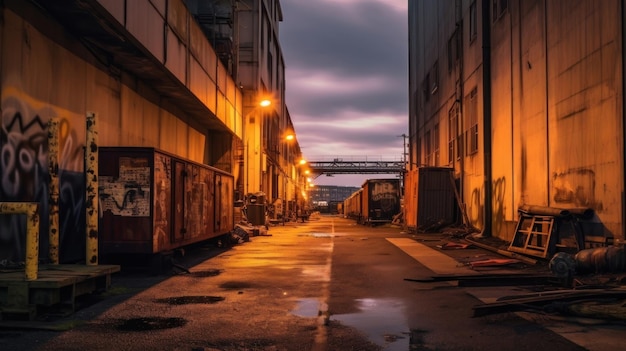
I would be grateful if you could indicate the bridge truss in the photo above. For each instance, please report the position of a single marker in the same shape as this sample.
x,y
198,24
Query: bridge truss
x,y
349,166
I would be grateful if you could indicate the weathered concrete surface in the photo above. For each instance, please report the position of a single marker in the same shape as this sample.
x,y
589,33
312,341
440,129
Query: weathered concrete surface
x,y
327,284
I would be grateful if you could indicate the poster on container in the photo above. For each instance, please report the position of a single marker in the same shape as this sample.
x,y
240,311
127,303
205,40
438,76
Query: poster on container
x,y
127,195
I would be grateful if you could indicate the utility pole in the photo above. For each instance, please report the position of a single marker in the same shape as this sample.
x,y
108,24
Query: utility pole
x,y
404,170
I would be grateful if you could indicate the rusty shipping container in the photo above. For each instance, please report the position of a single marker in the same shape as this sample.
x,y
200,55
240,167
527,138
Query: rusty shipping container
x,y
352,205
430,201
381,200
152,202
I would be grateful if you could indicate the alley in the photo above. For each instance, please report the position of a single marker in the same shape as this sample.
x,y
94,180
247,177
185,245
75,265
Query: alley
x,y
327,284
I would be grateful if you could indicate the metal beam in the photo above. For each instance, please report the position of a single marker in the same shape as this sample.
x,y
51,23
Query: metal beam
x,y
339,166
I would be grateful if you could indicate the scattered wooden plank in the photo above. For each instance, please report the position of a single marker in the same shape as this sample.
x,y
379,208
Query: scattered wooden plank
x,y
538,300
491,279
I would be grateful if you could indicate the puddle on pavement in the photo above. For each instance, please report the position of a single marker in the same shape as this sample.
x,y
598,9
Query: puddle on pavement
x,y
307,308
150,323
235,285
186,300
382,320
207,273
317,235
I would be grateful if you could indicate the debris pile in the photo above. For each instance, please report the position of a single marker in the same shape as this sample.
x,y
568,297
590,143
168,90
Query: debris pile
x,y
565,270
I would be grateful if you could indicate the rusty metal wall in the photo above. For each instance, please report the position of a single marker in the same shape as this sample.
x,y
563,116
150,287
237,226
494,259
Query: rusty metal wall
x,y
429,199
154,202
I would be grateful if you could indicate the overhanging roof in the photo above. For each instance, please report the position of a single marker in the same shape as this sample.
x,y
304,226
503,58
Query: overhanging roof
x,y
112,45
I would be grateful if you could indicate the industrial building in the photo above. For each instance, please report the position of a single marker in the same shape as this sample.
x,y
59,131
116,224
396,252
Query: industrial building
x,y
524,100
326,198
200,81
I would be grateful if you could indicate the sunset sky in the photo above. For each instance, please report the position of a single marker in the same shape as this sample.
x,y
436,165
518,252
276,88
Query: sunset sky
x,y
347,79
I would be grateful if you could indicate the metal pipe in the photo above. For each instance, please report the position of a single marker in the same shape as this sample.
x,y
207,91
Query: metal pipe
x,y
91,190
53,169
31,210
506,253
544,211
623,107
486,29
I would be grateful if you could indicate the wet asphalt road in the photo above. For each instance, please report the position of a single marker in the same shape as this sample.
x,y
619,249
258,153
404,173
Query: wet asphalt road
x,y
328,284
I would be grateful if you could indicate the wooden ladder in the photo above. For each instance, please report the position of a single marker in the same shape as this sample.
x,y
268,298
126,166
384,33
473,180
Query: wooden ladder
x,y
533,235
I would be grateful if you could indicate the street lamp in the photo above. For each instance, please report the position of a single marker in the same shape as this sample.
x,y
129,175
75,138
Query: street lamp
x,y
288,173
262,104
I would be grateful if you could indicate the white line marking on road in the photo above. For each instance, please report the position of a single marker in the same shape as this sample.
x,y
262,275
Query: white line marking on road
x,y
321,335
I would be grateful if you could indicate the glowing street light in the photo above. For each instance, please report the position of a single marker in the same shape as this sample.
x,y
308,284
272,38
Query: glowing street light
x,y
248,158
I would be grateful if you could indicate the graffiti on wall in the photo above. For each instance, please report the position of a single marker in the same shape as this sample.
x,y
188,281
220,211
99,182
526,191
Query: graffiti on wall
x,y
385,194
24,175
576,187
476,206
162,201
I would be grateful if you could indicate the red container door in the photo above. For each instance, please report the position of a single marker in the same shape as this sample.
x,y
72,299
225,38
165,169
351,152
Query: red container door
x,y
179,178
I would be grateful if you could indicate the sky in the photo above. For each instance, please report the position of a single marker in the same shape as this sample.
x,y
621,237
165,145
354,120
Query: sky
x,y
347,80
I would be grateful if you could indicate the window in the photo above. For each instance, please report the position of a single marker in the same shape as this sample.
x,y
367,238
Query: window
x,y
436,145
453,132
434,78
473,25
431,146
426,87
427,148
454,50
471,121
430,85
418,151
499,8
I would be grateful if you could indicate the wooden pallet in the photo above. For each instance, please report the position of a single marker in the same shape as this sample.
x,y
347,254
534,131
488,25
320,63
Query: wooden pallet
x,y
56,286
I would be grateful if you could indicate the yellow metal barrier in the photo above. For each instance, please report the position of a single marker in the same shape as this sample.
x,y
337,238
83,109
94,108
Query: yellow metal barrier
x,y
31,210
53,169
91,186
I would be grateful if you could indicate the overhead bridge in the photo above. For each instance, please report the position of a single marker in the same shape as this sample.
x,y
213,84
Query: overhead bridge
x,y
355,166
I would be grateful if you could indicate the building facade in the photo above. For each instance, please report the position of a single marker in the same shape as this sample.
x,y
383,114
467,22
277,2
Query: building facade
x,y
326,198
175,75
524,100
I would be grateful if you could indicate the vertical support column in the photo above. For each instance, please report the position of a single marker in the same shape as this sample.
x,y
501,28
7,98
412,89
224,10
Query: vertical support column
x,y
91,187
31,210
53,170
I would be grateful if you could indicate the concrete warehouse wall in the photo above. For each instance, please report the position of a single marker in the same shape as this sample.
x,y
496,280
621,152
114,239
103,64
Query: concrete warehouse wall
x,y
45,73
555,104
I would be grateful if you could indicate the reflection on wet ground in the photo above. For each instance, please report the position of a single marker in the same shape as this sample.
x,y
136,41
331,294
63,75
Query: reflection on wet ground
x,y
383,321
307,308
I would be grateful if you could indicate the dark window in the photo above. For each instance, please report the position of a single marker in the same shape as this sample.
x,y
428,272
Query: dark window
x,y
427,148
453,132
499,8
426,87
434,78
471,104
473,25
436,145
453,51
